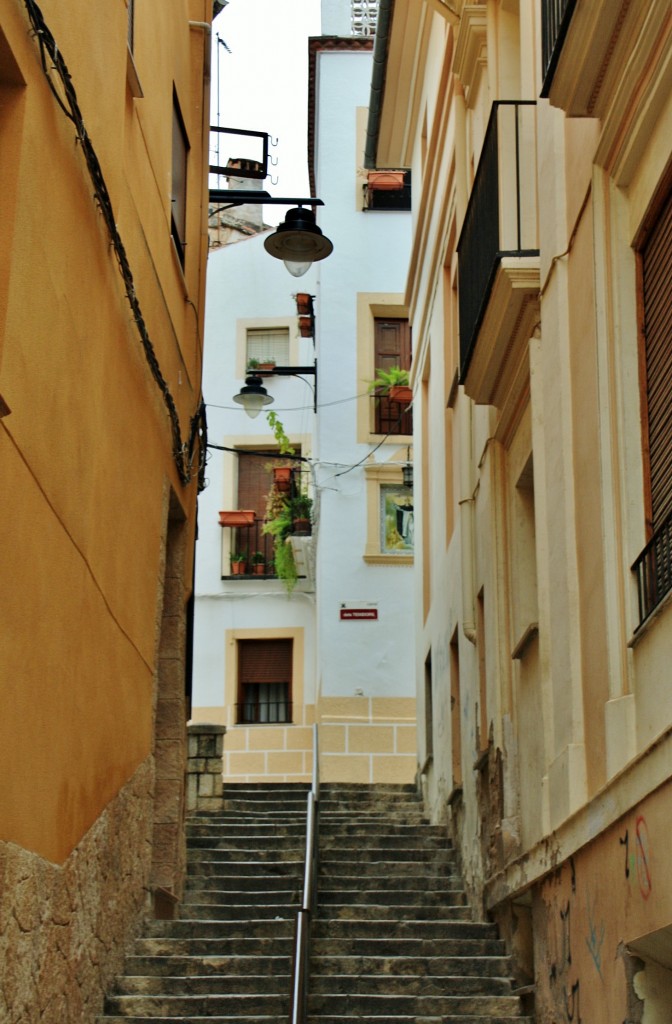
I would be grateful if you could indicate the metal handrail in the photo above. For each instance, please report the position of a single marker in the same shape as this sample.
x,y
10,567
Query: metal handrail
x,y
297,1012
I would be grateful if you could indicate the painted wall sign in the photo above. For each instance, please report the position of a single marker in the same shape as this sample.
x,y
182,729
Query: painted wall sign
x,y
361,612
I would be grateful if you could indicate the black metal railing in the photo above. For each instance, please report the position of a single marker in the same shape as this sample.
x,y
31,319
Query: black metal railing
x,y
653,570
257,549
391,416
501,215
555,18
264,712
301,958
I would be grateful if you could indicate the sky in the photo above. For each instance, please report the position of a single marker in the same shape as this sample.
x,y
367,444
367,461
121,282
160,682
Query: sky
x,y
261,85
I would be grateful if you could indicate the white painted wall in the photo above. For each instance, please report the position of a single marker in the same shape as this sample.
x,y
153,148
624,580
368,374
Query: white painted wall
x,y
373,659
370,255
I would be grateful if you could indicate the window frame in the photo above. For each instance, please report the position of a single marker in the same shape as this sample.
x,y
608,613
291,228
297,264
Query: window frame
x,y
179,181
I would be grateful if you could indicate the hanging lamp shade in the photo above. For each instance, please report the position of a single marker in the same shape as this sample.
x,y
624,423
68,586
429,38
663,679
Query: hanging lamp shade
x,y
253,396
298,241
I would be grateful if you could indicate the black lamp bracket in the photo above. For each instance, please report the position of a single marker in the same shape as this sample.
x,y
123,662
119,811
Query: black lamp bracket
x,y
242,197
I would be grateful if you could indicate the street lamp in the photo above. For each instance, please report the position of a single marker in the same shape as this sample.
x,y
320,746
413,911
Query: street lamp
x,y
298,241
253,396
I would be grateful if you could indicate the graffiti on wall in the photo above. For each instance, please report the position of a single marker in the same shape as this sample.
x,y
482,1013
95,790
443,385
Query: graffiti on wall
x,y
638,856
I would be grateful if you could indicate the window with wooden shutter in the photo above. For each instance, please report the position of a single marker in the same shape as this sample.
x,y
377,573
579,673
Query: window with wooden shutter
x,y
392,347
657,301
264,682
268,343
653,567
178,195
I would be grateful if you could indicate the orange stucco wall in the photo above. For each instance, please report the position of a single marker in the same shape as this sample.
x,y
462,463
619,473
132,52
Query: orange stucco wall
x,y
85,454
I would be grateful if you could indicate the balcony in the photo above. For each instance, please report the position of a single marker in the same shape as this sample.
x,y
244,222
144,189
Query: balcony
x,y
653,571
498,253
257,551
587,51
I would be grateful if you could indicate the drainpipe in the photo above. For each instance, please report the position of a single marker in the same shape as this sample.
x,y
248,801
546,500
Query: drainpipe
x,y
466,503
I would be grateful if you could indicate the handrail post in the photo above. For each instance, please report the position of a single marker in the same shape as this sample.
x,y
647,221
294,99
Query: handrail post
x,y
299,994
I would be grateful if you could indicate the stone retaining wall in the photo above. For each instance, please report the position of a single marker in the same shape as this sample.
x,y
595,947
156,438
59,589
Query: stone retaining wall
x,y
64,928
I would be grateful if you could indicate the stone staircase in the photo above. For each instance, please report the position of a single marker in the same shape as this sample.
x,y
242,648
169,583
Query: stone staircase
x,y
228,956
393,941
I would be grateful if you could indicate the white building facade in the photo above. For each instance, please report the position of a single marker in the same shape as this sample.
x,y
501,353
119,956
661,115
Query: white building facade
x,y
337,649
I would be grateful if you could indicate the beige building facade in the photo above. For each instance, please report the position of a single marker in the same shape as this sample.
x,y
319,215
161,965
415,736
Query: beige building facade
x,y
103,205
539,137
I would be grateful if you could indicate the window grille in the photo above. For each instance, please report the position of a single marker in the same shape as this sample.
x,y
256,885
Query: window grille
x,y
364,16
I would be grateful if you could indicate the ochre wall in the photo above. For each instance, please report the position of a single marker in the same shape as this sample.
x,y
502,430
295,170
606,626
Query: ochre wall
x,y
86,452
608,895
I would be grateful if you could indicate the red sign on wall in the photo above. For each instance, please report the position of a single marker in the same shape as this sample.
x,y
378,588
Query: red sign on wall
x,y
359,613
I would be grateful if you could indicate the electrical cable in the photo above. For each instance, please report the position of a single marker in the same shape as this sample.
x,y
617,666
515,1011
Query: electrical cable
x,y
183,450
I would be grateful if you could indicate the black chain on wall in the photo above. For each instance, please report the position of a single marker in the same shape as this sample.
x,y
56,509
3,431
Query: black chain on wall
x,y
184,451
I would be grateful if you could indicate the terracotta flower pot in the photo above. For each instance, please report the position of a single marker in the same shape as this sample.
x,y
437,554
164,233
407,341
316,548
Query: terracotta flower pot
x,y
306,328
258,568
401,393
238,568
302,527
282,477
237,517
304,304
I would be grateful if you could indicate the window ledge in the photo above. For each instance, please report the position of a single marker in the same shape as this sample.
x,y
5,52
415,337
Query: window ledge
x,y
132,78
388,559
528,635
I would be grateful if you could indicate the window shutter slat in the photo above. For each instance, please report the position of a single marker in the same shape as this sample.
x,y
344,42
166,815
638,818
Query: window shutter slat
x,y
657,278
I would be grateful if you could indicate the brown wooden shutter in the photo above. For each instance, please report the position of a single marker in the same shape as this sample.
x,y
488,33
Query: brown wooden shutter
x,y
392,347
657,283
254,482
265,661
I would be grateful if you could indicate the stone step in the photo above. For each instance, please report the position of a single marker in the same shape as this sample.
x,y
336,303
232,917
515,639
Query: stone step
x,y
133,1018
420,897
330,829
241,1004
254,882
388,947
208,984
412,1019
348,843
398,914
358,1004
275,928
362,854
259,830
422,966
258,854
238,912
186,966
409,985
436,887
176,946
330,928
239,897
399,869
252,847
217,865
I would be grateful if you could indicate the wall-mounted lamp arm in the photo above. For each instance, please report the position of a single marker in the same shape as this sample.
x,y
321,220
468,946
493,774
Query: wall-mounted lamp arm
x,y
253,197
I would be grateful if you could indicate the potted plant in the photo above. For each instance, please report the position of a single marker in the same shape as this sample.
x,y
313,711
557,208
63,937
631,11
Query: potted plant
x,y
258,563
266,365
252,364
238,564
392,383
301,507
279,525
304,304
237,517
282,474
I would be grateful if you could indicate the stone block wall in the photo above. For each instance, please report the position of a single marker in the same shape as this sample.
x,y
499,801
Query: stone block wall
x,y
204,766
64,928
